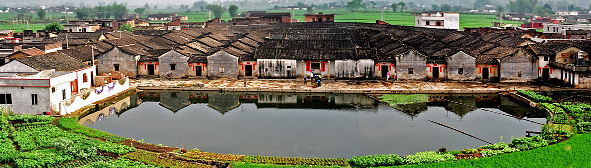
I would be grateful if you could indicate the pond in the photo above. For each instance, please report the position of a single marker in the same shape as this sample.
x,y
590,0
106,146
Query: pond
x,y
311,124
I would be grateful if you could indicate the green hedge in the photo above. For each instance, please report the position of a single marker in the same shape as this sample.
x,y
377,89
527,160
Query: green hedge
x,y
376,160
534,96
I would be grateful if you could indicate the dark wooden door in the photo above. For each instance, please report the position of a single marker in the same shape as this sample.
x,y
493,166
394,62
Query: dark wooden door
x,y
435,72
150,69
248,70
485,74
546,74
385,71
198,71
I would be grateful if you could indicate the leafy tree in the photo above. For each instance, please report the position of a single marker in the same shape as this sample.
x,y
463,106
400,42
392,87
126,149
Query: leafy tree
x,y
522,6
300,4
394,6
198,4
571,7
22,16
217,10
54,27
589,7
445,7
233,9
155,7
310,9
84,13
118,10
500,9
411,5
126,27
402,5
139,11
41,13
435,7
373,4
276,7
457,8
356,4
147,9
546,6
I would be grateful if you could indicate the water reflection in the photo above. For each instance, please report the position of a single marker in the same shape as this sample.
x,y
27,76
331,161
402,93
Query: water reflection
x,y
308,124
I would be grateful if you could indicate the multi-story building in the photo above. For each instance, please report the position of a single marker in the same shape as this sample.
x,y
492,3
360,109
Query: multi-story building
x,y
438,19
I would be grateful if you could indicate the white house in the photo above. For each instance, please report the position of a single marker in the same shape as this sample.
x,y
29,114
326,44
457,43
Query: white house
x,y
32,85
562,28
565,13
438,19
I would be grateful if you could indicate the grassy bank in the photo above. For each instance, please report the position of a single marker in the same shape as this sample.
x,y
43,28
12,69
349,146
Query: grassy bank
x,y
571,153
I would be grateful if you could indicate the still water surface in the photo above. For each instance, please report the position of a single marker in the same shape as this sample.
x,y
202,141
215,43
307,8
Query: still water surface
x,y
310,125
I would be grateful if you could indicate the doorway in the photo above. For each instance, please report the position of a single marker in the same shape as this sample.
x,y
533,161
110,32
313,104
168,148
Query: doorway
x,y
248,70
546,74
384,71
198,71
485,74
435,72
91,78
150,69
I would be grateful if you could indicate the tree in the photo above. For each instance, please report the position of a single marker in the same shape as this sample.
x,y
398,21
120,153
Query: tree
x,y
217,10
233,9
435,7
402,5
394,6
373,4
547,6
310,9
411,5
54,27
126,27
445,7
522,6
300,4
500,9
41,13
147,9
139,11
356,4
84,13
571,7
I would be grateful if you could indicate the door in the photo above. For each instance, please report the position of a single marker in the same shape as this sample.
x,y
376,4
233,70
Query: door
x,y
63,94
384,71
198,71
546,74
150,69
435,72
248,70
91,78
485,73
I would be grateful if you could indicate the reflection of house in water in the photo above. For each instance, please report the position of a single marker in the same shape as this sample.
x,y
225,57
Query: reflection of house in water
x,y
314,101
116,108
223,102
513,108
174,101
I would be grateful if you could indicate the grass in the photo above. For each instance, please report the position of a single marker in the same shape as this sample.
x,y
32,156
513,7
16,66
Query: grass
x,y
256,165
394,99
571,153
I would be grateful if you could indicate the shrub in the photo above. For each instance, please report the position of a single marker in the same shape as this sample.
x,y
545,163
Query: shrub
x,y
534,96
428,157
526,143
469,151
376,160
496,146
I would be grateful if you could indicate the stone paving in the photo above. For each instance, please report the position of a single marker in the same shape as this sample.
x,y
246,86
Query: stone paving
x,y
338,86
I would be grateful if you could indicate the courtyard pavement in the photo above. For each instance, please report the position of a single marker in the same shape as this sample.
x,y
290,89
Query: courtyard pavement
x,y
336,86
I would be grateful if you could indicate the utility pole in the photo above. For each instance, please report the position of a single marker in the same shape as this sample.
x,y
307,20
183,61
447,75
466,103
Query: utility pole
x,y
67,45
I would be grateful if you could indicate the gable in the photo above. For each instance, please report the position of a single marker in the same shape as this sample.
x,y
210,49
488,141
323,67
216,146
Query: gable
x,y
173,56
568,51
221,56
17,67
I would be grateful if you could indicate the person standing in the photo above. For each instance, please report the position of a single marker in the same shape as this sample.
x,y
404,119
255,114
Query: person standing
x,y
388,75
305,81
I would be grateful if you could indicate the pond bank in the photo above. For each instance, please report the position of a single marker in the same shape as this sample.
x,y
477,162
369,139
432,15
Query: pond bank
x,y
332,86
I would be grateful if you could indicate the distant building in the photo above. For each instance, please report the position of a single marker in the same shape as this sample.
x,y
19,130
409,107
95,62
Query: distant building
x,y
565,13
438,19
320,17
174,25
262,17
81,27
562,28
6,33
166,17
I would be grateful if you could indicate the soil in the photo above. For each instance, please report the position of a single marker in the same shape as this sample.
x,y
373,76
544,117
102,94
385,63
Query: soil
x,y
149,147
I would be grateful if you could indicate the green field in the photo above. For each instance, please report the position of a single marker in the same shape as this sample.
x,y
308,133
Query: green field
x,y
342,15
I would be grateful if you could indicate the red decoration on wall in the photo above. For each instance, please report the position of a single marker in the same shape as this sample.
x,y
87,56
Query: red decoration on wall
x,y
145,67
307,65
141,63
247,63
480,69
490,70
322,67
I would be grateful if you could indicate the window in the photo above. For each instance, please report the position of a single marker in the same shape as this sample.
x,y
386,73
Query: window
x,y
221,70
116,67
288,67
5,99
545,58
460,70
438,23
52,89
427,23
63,94
84,78
411,70
172,67
519,74
34,99
315,65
